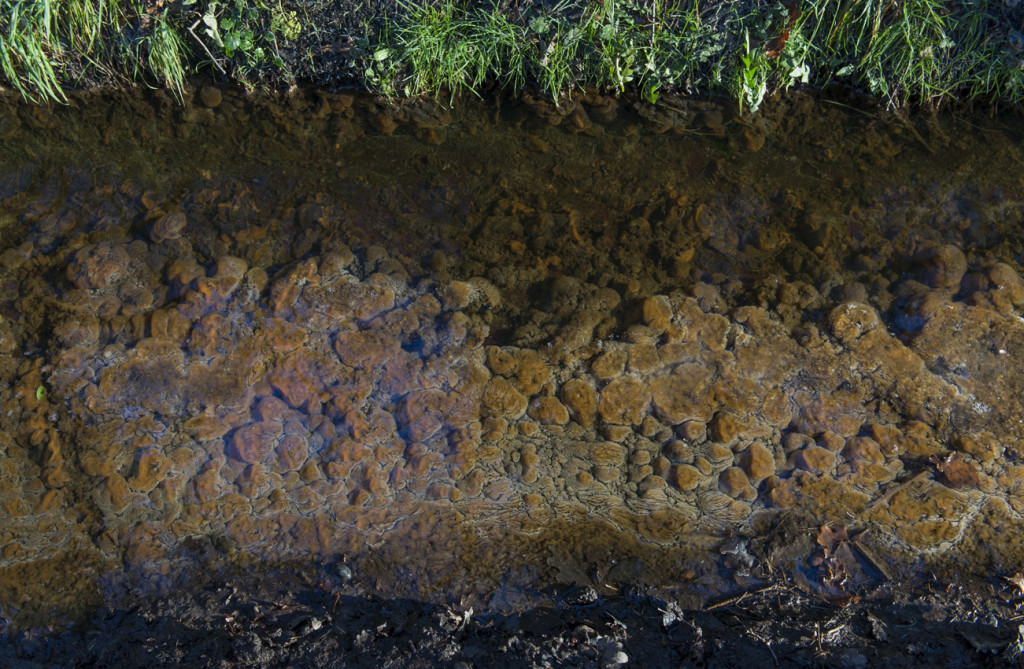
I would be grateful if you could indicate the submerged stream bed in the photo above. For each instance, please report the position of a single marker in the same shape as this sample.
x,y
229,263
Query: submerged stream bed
x,y
474,354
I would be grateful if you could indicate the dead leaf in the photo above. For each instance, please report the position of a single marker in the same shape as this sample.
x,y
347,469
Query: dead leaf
x,y
1018,580
828,537
957,473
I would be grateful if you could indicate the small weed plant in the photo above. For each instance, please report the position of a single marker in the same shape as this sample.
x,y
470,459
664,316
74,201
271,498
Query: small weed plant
x,y
245,32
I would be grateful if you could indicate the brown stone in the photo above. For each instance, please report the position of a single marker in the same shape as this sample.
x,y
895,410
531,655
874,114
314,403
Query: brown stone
x,y
888,437
252,443
758,462
652,429
421,412
549,411
863,448
944,265
494,429
839,414
580,399
718,453
150,468
610,365
724,428
680,396
605,474
528,428
678,451
624,401
919,440
1007,282
713,332
310,472
211,96
734,483
606,453
640,473
206,486
652,483
684,477
54,473
498,491
831,441
795,441
657,313
183,271
984,446
368,300
617,433
99,265
852,320
253,481
205,427
270,408
693,430
531,372
472,483
454,295
640,456
291,453
117,492
643,358
403,374
865,472
51,501
814,459
500,361
502,398
297,379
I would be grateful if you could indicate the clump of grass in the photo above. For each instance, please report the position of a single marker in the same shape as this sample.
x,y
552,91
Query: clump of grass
x,y
442,46
25,50
922,51
165,53
447,48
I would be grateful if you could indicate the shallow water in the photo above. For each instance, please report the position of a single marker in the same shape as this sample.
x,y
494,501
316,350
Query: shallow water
x,y
480,352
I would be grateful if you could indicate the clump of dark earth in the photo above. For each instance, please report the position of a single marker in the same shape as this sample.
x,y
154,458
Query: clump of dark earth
x,y
310,617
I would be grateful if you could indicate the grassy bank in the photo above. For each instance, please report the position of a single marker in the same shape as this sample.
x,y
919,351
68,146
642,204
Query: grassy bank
x,y
902,51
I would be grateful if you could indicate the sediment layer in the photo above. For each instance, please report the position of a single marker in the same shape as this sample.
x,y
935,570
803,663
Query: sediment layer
x,y
202,362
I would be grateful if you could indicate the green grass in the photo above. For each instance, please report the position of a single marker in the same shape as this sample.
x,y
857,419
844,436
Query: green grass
x,y
903,51
26,53
926,52
165,54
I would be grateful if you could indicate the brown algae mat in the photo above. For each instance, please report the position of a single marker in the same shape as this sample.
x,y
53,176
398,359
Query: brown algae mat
x,y
469,354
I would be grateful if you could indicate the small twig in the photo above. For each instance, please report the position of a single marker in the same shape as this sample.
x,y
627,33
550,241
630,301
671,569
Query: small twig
x,y
737,598
908,125
887,496
768,645
214,60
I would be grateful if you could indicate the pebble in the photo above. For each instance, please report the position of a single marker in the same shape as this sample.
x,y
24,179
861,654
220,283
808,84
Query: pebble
x,y
211,96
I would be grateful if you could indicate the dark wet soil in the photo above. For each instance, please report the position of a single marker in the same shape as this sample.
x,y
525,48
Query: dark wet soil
x,y
579,363
313,618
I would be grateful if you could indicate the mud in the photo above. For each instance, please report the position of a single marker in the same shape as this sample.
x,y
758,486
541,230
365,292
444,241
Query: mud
x,y
479,353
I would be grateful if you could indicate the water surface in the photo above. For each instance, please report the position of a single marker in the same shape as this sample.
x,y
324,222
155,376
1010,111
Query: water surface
x,y
478,352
